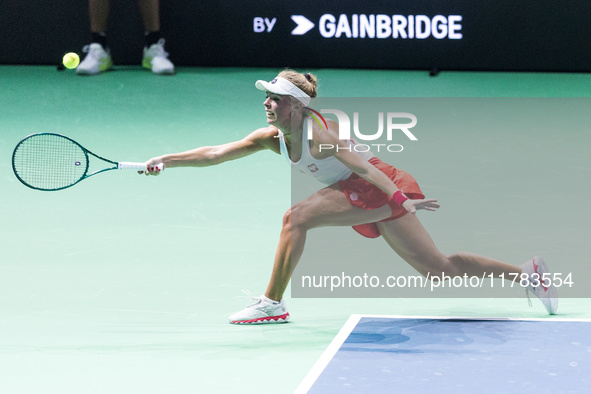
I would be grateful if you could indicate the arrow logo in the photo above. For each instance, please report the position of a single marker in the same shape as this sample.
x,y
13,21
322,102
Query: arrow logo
x,y
303,25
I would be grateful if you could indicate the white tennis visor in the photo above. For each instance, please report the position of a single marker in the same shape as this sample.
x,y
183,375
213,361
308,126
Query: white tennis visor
x,y
284,87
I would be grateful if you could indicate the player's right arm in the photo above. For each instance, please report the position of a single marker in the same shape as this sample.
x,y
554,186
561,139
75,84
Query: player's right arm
x,y
205,156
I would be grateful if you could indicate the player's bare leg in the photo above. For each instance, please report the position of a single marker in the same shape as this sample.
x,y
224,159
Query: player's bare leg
x,y
407,237
327,207
410,240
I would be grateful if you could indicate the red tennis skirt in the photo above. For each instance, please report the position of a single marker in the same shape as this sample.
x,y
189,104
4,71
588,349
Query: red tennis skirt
x,y
365,195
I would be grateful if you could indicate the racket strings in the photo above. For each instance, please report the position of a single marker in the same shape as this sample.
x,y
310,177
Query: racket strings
x,y
49,162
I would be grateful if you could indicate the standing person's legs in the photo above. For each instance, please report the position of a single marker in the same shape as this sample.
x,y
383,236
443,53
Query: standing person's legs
x,y
155,57
98,11
98,58
150,13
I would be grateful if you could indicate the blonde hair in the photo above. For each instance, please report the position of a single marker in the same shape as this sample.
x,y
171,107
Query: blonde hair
x,y
307,82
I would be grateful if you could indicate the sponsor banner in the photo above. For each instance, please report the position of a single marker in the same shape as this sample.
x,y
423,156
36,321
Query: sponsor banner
x,y
453,35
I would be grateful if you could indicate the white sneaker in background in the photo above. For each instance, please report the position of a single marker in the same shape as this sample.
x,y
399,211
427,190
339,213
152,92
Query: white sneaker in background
x,y
156,59
96,61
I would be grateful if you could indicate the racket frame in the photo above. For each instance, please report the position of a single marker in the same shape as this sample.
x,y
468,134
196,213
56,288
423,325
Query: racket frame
x,y
84,150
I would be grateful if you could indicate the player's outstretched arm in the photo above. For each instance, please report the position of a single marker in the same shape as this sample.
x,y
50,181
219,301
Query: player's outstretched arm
x,y
212,155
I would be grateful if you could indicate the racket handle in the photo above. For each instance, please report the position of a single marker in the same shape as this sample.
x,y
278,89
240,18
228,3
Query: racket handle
x,y
126,165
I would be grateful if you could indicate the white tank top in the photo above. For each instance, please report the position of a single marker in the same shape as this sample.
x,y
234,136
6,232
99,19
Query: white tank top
x,y
327,171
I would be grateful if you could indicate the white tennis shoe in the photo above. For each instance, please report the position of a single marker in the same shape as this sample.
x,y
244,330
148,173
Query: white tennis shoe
x,y
156,59
97,60
262,310
540,284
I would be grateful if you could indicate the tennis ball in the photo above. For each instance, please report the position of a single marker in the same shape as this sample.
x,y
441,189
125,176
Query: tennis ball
x,y
71,60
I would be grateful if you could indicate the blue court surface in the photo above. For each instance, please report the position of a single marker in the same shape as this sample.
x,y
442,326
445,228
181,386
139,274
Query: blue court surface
x,y
410,354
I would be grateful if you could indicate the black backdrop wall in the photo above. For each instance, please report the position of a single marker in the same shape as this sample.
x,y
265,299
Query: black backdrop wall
x,y
524,35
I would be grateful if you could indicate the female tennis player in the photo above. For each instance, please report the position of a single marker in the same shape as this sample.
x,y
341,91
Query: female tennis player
x,y
362,191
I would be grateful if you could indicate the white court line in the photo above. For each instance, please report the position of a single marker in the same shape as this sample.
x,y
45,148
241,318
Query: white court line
x,y
547,319
350,324
328,354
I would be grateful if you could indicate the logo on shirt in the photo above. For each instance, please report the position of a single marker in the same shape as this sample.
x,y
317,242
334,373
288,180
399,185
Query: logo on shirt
x,y
312,167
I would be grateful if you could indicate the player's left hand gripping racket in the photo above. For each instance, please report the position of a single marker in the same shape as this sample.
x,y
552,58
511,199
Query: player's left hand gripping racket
x,y
48,161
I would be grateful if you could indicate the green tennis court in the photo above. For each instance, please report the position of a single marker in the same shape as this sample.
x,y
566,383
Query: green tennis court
x,y
123,283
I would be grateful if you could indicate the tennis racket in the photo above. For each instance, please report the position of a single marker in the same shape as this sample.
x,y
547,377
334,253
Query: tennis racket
x,y
48,161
